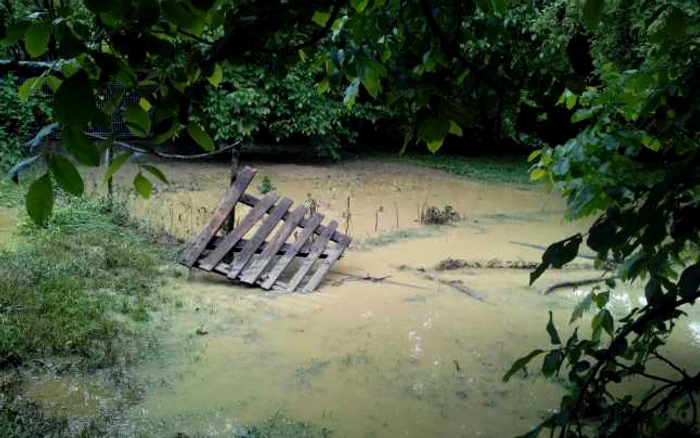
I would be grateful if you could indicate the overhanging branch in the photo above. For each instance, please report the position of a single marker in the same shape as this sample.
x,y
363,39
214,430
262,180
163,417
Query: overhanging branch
x,y
162,154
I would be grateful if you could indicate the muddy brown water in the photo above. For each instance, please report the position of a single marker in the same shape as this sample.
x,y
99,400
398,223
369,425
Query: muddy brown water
x,y
410,358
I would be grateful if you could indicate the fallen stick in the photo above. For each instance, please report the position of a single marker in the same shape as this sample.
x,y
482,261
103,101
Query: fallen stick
x,y
576,283
385,279
454,284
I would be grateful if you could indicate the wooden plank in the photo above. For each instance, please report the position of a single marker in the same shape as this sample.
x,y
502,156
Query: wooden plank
x,y
286,259
251,201
326,266
316,250
237,234
252,272
259,237
193,251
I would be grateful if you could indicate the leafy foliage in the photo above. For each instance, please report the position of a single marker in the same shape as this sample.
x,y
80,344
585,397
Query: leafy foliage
x,y
19,119
636,161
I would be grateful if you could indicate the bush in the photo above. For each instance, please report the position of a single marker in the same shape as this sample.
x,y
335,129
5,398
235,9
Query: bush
x,y
19,120
250,102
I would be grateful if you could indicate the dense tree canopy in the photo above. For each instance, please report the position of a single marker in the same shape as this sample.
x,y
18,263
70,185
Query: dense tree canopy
x,y
608,91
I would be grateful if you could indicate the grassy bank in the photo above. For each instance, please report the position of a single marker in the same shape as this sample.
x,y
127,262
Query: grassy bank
x,y
510,170
77,288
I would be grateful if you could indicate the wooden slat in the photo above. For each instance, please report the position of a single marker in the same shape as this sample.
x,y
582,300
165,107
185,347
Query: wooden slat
x,y
326,266
237,234
241,243
253,271
193,251
252,201
316,250
286,259
242,259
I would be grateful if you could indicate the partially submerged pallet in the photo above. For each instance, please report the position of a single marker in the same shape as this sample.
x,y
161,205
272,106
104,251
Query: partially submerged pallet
x,y
262,262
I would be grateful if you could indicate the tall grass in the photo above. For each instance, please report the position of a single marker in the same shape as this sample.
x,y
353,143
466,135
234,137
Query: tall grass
x,y
78,287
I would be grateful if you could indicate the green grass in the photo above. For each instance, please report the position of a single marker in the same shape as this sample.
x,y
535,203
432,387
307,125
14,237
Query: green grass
x,y
79,288
510,169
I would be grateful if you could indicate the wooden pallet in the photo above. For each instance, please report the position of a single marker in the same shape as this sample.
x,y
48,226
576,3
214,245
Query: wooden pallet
x,y
262,262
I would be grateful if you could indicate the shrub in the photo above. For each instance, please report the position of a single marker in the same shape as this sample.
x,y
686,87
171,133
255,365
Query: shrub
x,y
19,120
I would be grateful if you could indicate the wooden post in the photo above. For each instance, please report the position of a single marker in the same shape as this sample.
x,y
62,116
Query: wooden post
x,y
233,171
230,223
109,153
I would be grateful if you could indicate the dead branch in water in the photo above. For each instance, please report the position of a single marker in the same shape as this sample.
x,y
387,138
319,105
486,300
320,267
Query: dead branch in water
x,y
457,285
576,283
384,279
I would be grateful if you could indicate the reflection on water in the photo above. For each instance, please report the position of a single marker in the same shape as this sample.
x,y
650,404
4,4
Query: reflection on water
x,y
370,359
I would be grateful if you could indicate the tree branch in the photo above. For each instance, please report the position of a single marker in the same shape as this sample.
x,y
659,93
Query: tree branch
x,y
452,50
642,373
162,154
320,34
195,37
646,318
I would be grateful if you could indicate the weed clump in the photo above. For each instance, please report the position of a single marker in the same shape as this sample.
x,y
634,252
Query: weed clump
x,y
434,216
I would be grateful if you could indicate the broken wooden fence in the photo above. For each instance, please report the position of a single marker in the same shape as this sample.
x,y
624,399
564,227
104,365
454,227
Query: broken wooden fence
x,y
257,261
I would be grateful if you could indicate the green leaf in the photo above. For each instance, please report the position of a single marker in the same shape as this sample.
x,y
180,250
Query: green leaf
x,y
216,76
137,120
604,320
321,18
66,175
155,172
593,12
561,167
601,299
435,145
36,39
39,199
553,335
74,102
521,363
30,86
116,164
143,186
537,174
455,128
177,14
533,155
551,363
607,322
323,86
582,307
200,136
370,80
581,115
80,147
570,100
359,5
690,281
651,143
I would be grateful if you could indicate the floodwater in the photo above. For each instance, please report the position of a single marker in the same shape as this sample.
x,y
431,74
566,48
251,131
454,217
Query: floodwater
x,y
405,357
